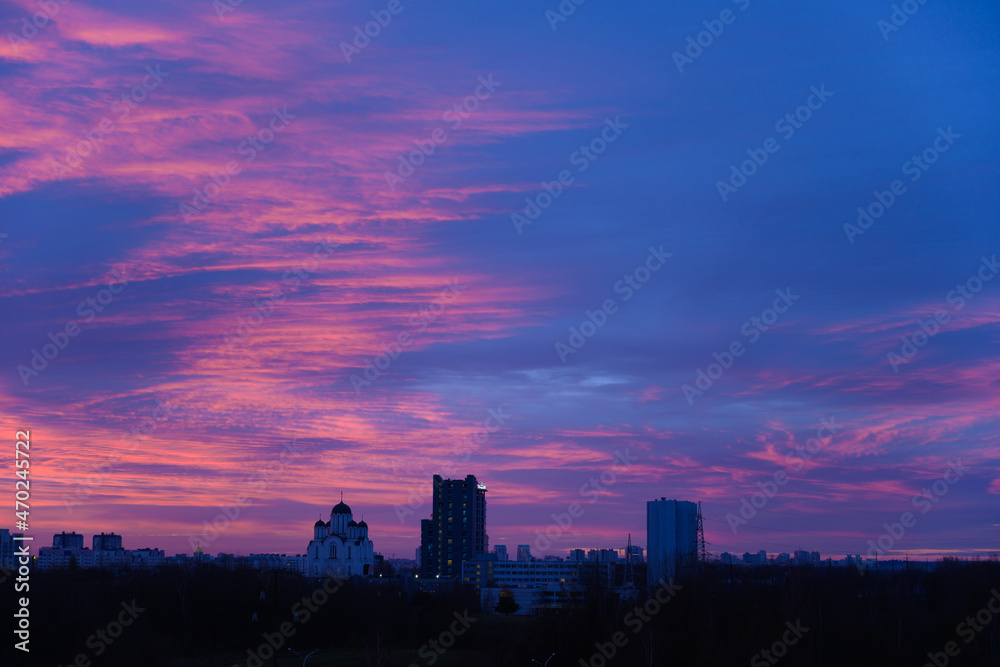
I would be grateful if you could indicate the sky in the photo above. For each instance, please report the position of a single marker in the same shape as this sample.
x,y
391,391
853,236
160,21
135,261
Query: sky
x,y
253,258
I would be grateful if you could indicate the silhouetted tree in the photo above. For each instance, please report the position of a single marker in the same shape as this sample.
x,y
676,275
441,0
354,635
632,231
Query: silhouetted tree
x,y
506,605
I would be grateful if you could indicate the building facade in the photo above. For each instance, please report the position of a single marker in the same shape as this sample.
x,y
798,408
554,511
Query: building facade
x,y
67,541
456,531
340,546
603,555
51,558
146,558
537,585
6,548
672,538
489,573
107,542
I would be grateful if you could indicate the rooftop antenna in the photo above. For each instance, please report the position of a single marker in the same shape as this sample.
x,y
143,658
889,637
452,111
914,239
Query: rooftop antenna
x,y
629,573
702,553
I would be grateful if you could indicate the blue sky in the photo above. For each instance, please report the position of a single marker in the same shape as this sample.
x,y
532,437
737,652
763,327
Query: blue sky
x,y
243,379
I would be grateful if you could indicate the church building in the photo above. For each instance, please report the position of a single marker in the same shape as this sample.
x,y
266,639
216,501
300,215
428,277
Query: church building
x,y
340,546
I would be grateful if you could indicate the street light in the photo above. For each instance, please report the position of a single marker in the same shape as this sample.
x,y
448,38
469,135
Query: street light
x,y
305,658
546,662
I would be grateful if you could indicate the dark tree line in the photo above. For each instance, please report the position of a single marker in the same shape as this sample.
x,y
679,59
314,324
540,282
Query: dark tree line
x,y
207,615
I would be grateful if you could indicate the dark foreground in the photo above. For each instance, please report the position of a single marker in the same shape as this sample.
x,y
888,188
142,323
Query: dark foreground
x,y
760,616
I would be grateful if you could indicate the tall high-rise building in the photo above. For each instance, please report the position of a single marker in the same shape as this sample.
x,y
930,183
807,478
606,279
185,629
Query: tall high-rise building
x,y
501,551
107,542
6,548
672,538
456,531
524,553
67,541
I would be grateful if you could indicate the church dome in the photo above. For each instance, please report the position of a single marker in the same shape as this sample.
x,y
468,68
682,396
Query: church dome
x,y
362,524
341,508
351,524
319,523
